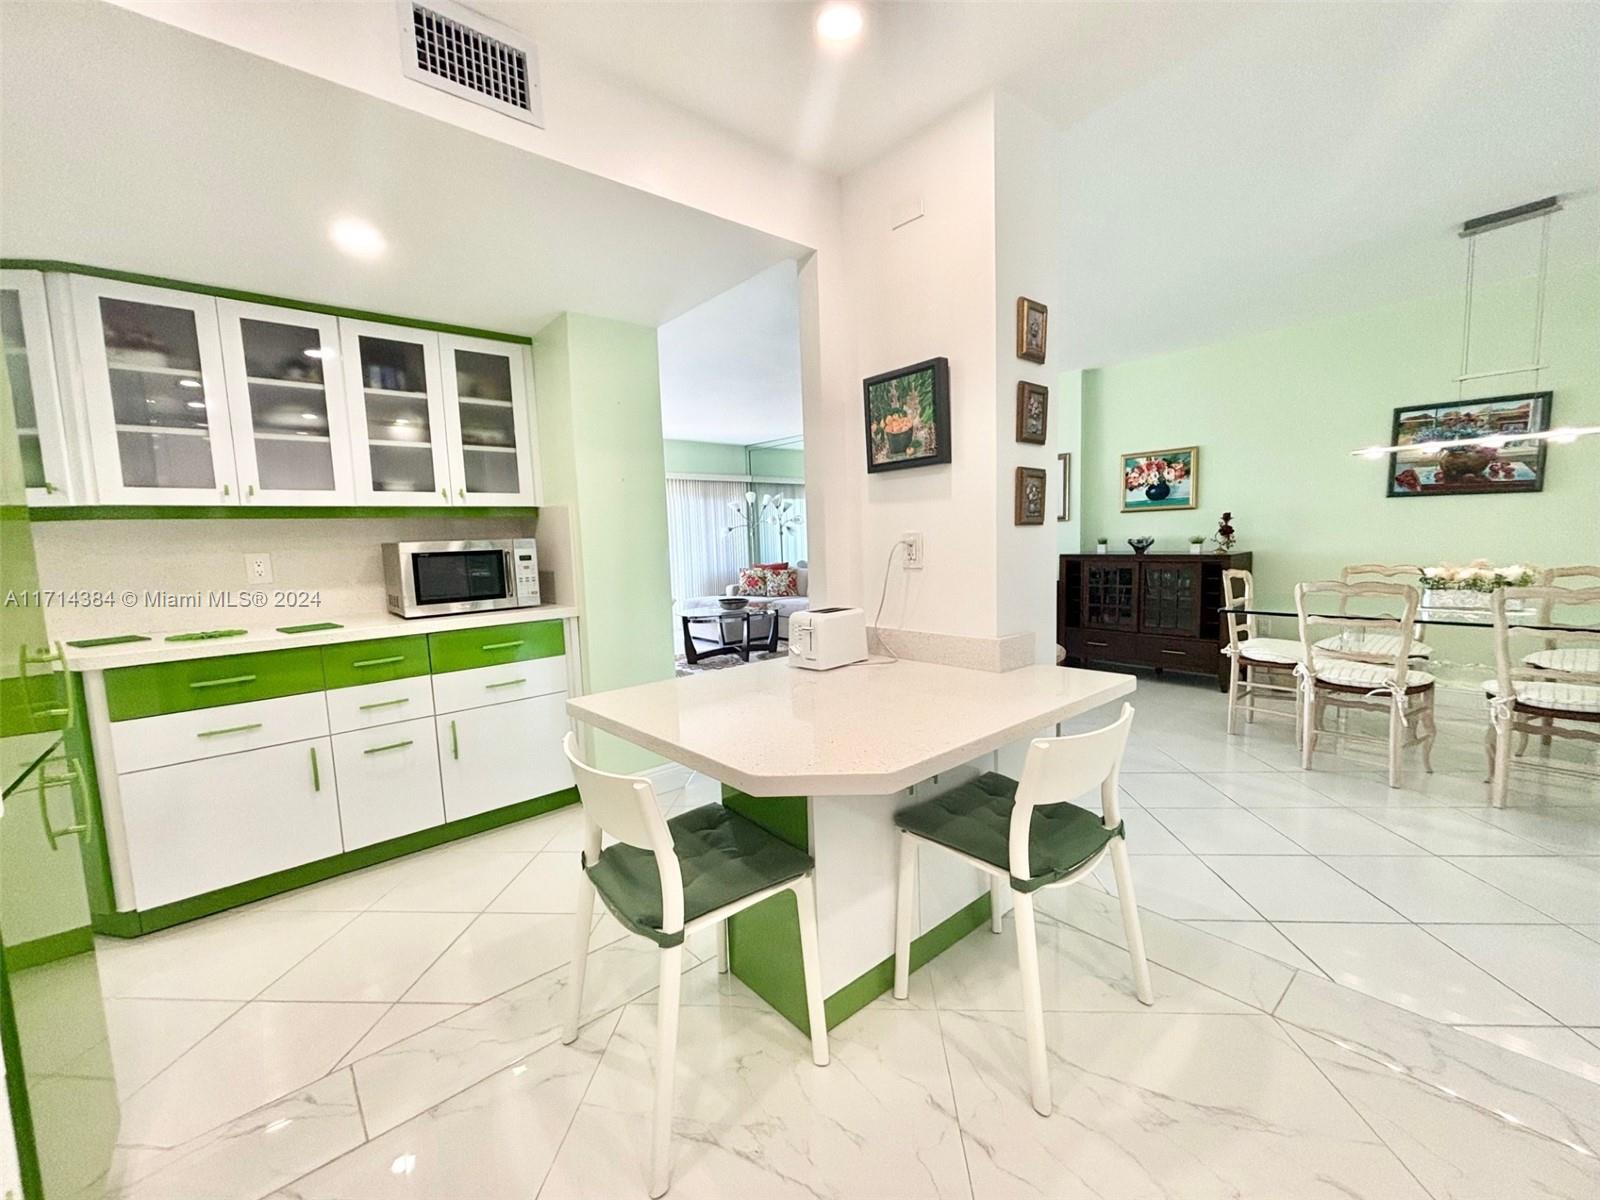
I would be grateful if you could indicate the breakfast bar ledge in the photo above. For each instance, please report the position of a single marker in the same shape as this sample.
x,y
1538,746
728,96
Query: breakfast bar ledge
x,y
823,759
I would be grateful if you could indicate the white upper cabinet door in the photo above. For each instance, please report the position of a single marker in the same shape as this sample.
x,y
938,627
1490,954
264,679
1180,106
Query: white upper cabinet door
x,y
30,367
154,394
397,414
490,421
291,425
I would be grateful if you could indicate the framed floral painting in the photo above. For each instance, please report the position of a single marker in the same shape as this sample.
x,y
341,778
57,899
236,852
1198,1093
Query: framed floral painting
x,y
908,416
1155,480
1441,456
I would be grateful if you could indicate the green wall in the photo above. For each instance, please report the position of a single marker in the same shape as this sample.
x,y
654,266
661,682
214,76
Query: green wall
x,y
1276,415
715,458
599,405
777,464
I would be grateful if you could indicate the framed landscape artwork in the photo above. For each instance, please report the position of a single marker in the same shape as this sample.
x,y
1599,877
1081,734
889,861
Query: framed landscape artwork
x,y
1033,328
1030,496
1442,458
1154,480
1033,413
908,416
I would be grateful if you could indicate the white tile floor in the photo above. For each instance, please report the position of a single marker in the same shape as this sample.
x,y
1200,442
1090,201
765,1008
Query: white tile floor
x,y
1315,936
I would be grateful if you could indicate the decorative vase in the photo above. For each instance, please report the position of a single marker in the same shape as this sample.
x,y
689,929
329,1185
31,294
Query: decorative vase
x,y
1141,544
1195,547
1101,548
1460,463
899,443
1159,490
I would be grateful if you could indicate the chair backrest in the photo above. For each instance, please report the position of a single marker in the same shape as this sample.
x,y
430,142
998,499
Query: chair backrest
x,y
1560,631
1551,578
1355,631
625,808
1060,769
1238,591
1377,572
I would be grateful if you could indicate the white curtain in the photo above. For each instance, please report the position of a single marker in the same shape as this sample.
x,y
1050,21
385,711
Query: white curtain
x,y
705,557
790,547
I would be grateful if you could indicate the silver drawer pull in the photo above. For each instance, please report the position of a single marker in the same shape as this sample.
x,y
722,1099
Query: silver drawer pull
x,y
1100,645
390,746
379,662
505,683
205,683
230,729
1181,653
383,704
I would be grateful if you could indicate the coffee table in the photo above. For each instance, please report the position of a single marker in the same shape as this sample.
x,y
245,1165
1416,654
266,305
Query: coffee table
x,y
726,620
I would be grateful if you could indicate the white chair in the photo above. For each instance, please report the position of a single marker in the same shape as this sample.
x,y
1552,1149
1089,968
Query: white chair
x,y
1373,642
1555,657
666,879
1258,665
1526,698
1366,666
1027,834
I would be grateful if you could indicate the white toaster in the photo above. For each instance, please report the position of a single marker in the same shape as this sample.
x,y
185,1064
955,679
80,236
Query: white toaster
x,y
821,639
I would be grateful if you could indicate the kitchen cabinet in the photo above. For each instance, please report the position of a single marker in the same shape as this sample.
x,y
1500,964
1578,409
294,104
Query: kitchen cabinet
x,y
488,421
291,426
500,754
397,413
388,781
154,394
36,400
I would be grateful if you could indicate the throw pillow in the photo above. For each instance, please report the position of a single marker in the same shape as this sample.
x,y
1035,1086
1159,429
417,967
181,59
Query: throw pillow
x,y
752,581
783,583
778,566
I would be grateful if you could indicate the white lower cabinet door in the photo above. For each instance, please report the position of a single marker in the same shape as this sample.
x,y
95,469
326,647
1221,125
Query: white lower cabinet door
x,y
499,755
388,781
198,826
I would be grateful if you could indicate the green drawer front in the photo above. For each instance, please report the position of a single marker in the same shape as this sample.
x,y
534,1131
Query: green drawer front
x,y
463,649
133,692
379,661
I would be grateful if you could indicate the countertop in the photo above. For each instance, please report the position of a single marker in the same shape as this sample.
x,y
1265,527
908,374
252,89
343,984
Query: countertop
x,y
359,627
770,729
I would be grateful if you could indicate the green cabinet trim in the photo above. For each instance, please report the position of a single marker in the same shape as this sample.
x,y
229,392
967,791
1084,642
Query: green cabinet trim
x,y
191,683
49,949
133,924
350,664
265,512
465,649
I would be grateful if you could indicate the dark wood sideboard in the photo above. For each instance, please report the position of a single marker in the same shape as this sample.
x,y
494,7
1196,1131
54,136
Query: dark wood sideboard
x,y
1147,610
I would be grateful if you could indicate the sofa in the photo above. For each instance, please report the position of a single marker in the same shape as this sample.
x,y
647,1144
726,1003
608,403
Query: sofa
x,y
784,606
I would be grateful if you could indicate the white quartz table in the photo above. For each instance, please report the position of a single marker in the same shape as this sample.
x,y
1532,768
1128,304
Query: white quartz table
x,y
824,759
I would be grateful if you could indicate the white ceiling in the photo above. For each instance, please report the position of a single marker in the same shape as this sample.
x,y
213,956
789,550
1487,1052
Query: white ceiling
x,y
149,149
730,369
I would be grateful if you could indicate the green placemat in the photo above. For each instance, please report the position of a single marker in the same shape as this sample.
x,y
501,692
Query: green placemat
x,y
312,628
205,635
89,643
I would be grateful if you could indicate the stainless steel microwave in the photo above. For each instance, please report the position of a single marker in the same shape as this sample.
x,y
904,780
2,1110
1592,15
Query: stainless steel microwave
x,y
425,579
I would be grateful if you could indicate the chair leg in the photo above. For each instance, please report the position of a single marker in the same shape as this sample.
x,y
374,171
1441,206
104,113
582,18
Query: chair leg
x,y
1249,695
1032,1001
666,1052
997,893
1502,766
722,947
1130,921
905,898
582,922
1488,750
1432,728
1395,743
805,899
1308,725
1233,695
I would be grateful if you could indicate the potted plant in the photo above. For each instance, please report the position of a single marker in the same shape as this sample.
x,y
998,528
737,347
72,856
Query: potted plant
x,y
1469,589
1101,545
1196,544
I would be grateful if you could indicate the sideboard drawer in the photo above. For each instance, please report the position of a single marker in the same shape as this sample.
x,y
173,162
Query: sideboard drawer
x,y
498,685
212,732
377,704
1182,654
469,649
193,683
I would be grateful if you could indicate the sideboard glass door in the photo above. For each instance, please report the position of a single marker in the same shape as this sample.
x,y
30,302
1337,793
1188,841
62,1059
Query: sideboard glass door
x,y
486,401
1111,595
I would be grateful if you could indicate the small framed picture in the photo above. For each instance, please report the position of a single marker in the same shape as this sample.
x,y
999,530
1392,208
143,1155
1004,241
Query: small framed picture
x,y
1030,496
1033,321
1066,487
908,416
1033,412
1156,480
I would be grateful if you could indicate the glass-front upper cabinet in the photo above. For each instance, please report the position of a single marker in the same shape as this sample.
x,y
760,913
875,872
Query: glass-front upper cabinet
x,y
154,393
31,373
397,414
291,430
486,405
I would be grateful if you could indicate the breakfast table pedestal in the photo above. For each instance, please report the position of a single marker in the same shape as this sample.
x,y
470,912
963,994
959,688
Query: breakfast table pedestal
x,y
824,759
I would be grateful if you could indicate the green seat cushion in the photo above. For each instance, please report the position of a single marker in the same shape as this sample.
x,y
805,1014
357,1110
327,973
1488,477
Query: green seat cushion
x,y
723,857
975,819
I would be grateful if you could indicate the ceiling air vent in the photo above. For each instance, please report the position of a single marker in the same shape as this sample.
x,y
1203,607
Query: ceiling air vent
x,y
466,54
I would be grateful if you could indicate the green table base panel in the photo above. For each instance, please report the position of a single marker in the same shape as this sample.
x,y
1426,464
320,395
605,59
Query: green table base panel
x,y
132,924
381,660
191,683
495,645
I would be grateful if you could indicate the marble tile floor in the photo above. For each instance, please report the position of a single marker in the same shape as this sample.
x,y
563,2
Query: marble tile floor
x,y
1359,993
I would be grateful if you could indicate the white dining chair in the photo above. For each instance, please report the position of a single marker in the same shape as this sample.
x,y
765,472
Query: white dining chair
x,y
1258,666
1379,573
666,879
1366,666
1549,702
1553,656
1027,834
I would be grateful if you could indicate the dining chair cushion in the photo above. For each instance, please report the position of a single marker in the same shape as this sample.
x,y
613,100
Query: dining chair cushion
x,y
1551,696
975,819
1379,645
1583,662
723,857
1341,673
1277,651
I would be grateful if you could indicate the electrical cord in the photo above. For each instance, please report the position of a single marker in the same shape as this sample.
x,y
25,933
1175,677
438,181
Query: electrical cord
x,y
883,594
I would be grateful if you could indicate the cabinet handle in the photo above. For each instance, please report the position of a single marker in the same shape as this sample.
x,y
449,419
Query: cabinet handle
x,y
1181,653
210,683
50,489
383,704
462,493
316,773
227,490
379,662
230,729
455,742
249,490
444,493
390,746
1100,645
71,779
501,646
505,683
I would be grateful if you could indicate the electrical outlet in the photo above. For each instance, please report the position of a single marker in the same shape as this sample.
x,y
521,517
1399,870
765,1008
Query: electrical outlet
x,y
913,545
258,568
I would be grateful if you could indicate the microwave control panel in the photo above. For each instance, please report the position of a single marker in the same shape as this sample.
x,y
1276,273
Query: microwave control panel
x,y
525,565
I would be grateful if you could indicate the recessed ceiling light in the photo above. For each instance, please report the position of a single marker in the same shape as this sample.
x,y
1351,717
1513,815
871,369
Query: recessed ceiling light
x,y
839,21
357,238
